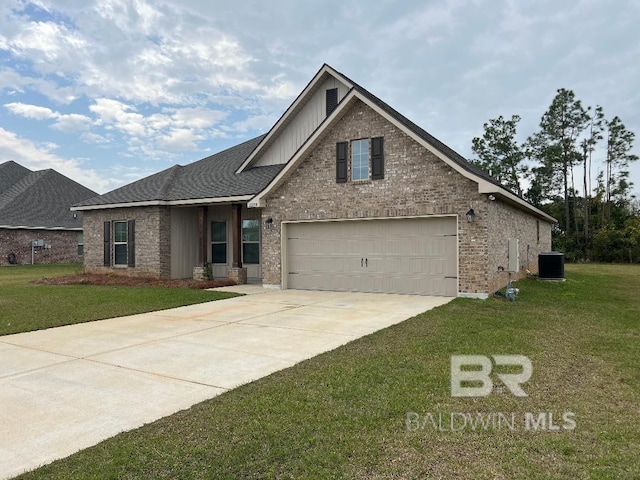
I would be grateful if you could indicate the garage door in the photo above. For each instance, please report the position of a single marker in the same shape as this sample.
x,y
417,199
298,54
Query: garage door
x,y
410,256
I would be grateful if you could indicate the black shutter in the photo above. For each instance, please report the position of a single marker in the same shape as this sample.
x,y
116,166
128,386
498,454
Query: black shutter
x,y
332,100
131,243
341,162
107,244
377,158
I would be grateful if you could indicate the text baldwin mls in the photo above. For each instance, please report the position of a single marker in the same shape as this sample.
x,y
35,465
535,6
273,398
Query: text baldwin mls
x,y
476,421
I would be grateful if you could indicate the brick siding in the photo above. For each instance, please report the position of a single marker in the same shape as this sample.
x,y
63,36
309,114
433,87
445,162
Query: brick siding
x,y
415,182
508,222
64,246
152,246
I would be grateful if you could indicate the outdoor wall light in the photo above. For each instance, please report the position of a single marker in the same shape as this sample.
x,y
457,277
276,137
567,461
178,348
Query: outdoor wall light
x,y
471,215
268,223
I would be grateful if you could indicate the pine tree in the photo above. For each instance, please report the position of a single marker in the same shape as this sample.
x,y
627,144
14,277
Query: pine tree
x,y
555,145
499,153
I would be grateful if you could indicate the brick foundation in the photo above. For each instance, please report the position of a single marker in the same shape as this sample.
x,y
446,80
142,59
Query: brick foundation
x,y
237,275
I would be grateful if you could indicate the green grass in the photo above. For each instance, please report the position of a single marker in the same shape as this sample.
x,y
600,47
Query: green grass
x,y
25,306
342,414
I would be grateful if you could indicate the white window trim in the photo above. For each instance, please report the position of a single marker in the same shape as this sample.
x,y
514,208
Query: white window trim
x,y
125,243
368,177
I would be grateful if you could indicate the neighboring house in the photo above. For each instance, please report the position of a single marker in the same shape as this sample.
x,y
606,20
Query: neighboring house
x,y
343,193
36,224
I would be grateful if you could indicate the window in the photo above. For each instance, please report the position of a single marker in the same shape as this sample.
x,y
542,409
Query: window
x,y
331,97
218,242
360,159
251,241
120,253
361,168
80,244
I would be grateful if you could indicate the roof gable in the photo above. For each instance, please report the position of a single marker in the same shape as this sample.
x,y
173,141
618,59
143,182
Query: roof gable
x,y
303,106
486,183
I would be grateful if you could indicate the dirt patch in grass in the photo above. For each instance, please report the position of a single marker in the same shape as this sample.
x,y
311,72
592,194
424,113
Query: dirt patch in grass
x,y
127,281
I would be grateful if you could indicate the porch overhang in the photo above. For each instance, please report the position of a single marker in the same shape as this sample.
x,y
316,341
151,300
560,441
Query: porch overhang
x,y
176,203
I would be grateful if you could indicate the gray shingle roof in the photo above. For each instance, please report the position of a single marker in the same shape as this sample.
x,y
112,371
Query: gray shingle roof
x,y
39,199
10,173
211,177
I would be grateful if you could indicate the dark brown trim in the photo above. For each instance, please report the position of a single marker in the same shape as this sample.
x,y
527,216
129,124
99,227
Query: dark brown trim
x,y
203,224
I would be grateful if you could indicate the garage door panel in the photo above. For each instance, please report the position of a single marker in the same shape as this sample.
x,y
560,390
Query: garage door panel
x,y
413,256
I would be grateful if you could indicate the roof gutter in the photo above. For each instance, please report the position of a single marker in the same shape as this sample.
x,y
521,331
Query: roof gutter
x,y
25,227
154,203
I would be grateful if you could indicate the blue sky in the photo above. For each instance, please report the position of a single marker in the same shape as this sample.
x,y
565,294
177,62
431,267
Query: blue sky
x,y
109,91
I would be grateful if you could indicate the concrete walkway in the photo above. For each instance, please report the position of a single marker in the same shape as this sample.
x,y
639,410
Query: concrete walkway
x,y
67,388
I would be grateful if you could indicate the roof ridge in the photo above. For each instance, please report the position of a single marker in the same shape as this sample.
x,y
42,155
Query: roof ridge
x,y
166,184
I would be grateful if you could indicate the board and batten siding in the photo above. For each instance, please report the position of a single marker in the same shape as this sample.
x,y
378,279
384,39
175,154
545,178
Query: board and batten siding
x,y
301,126
184,241
222,213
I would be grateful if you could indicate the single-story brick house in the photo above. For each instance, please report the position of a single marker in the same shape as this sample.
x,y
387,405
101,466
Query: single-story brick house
x,y
343,193
34,207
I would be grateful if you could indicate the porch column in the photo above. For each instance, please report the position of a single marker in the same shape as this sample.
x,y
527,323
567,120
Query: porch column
x,y
236,232
202,235
236,273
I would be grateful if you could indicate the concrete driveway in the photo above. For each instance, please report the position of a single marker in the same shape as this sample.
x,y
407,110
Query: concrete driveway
x,y
67,388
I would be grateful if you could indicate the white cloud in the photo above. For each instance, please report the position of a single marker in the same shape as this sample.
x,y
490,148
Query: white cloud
x,y
114,114
180,139
67,123
260,123
196,118
39,157
30,111
71,123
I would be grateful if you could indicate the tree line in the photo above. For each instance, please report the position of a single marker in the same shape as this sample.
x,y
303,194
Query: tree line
x,y
598,220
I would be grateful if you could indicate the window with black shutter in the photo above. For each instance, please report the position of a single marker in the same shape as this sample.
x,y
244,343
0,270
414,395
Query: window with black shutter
x,y
341,162
377,158
332,100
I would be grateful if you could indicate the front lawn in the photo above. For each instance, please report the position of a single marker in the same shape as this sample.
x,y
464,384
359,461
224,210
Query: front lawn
x,y
26,306
343,414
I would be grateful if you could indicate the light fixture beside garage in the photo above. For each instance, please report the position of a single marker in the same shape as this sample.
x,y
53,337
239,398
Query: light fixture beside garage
x,y
471,215
268,223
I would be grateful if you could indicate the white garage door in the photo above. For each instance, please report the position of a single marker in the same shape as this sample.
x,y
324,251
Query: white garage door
x,y
411,256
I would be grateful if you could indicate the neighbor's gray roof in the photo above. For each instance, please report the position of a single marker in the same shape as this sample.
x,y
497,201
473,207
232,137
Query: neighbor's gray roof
x,y
211,177
38,199
10,173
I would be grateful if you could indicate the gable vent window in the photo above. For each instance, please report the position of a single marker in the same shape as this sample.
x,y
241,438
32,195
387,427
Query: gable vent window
x,y
332,100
